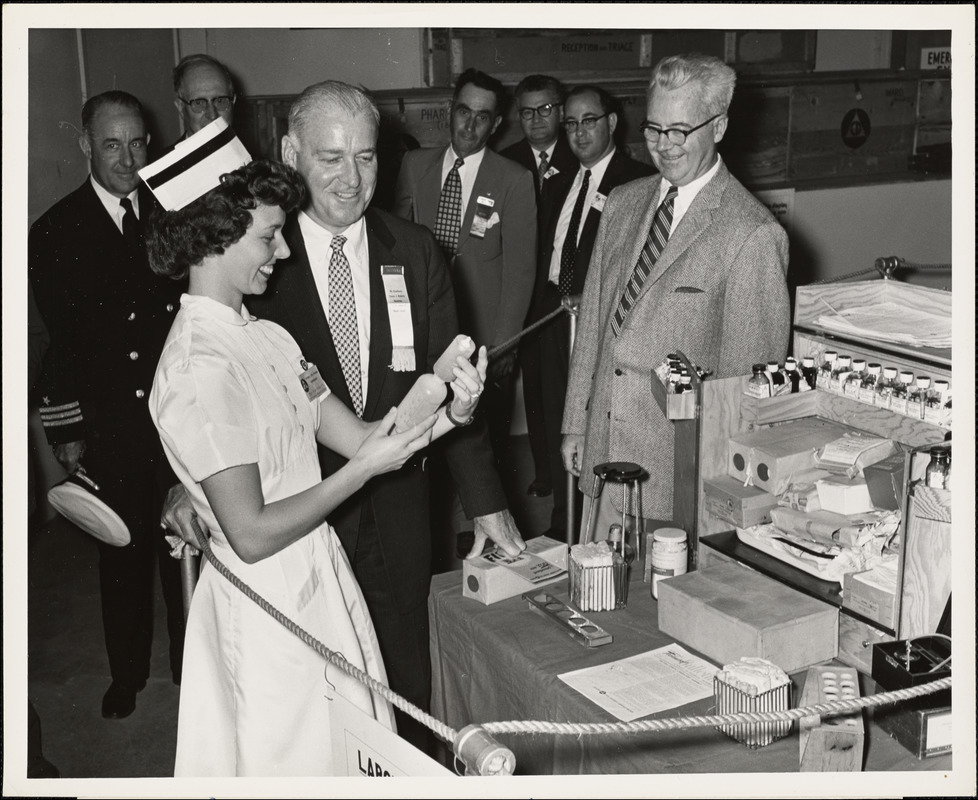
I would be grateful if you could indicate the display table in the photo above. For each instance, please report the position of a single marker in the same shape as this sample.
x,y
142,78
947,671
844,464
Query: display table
x,y
501,662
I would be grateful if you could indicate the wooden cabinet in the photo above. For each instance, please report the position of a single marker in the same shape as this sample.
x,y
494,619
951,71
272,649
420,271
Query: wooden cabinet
x,y
924,567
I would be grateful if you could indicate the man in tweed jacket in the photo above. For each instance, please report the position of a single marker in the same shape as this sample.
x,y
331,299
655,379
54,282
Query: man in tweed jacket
x,y
717,291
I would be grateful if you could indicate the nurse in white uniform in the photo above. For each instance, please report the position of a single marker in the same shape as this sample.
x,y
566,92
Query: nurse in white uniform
x,y
239,412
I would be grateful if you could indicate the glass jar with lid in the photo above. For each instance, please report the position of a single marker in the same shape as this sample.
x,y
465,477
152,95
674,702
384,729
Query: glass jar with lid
x,y
867,388
855,378
917,397
668,557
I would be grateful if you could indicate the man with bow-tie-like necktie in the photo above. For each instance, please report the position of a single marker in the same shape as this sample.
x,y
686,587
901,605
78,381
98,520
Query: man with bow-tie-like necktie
x,y
688,261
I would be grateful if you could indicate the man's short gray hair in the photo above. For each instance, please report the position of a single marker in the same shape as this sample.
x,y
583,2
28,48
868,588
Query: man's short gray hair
x,y
330,96
714,80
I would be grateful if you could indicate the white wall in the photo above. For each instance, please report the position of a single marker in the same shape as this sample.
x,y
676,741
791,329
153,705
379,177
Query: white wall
x,y
283,61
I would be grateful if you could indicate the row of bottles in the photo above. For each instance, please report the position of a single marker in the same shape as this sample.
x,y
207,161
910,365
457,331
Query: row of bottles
x,y
773,379
886,387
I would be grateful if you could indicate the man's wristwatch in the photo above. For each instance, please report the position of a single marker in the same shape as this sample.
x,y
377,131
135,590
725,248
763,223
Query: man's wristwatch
x,y
455,422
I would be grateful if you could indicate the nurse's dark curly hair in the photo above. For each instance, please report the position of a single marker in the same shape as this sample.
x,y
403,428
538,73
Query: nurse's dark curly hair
x,y
180,239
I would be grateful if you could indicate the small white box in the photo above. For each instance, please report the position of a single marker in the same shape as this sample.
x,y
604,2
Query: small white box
x,y
843,496
496,576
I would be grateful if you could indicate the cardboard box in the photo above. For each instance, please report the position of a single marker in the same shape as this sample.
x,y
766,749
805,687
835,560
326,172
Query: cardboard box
x,y
864,593
843,496
741,506
925,732
728,611
496,576
885,482
772,456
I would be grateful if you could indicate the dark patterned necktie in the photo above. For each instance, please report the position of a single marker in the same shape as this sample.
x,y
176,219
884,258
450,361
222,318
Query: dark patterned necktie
x,y
449,217
569,251
343,320
130,224
542,168
654,244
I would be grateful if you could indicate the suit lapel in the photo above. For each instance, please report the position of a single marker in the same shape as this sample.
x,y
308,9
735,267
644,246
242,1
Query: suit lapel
x,y
481,188
379,245
299,299
429,186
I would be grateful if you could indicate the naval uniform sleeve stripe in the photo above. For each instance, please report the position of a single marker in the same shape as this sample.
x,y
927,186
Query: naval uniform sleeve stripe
x,y
64,407
60,422
67,416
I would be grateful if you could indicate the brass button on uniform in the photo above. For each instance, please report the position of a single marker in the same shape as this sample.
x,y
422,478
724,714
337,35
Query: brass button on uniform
x,y
619,372
140,394
134,355
169,306
132,316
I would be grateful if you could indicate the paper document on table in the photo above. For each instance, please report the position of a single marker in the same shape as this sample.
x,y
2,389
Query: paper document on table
x,y
645,684
891,322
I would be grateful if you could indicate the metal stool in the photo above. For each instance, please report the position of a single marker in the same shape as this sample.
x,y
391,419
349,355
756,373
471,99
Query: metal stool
x,y
629,476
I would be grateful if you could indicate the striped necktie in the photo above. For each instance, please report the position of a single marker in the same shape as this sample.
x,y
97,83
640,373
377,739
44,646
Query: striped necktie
x,y
448,218
343,320
655,242
542,168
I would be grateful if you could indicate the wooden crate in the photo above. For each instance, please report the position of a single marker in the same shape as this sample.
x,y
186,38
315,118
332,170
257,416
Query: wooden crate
x,y
728,611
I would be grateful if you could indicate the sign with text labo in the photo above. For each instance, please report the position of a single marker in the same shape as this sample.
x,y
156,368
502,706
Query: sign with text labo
x,y
363,748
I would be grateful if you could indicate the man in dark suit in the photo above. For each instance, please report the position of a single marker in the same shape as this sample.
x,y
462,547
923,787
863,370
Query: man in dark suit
x,y
386,526
108,317
203,91
545,152
569,217
487,233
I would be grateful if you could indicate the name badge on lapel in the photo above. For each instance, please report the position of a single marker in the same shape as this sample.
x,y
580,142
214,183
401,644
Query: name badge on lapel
x,y
399,315
312,383
550,173
599,200
480,221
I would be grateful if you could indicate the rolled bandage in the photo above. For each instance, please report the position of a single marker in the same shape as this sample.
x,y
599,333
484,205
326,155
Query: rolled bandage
x,y
461,345
424,399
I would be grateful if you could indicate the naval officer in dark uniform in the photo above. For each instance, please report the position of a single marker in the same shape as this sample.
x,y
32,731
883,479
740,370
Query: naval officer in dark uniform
x,y
108,316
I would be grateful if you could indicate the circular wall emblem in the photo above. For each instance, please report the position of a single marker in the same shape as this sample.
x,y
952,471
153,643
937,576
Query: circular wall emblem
x,y
855,128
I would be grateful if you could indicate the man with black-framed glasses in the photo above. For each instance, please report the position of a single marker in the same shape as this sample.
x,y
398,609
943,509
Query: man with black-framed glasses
x,y
685,261
544,151
204,91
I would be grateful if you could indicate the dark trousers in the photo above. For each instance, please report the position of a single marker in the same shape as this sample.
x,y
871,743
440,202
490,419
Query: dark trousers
x,y
530,365
496,406
126,579
554,368
402,633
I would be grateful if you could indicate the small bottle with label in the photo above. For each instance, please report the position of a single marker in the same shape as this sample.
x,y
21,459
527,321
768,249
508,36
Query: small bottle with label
x,y
917,397
901,388
825,370
867,388
779,384
809,372
840,372
759,385
685,384
936,476
934,405
792,375
855,379
624,555
668,555
884,389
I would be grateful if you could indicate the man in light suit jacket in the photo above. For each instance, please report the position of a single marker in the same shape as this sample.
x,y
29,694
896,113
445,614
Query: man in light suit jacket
x,y
716,291
590,119
385,528
491,244
545,152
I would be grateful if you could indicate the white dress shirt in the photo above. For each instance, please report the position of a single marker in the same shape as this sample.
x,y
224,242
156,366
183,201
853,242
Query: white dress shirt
x,y
563,221
466,172
113,204
686,195
318,243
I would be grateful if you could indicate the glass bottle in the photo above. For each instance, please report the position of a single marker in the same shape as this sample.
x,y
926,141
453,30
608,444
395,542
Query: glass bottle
x,y
884,389
669,555
685,384
901,388
937,470
867,388
855,379
759,385
840,371
917,397
809,372
792,375
673,381
934,404
624,555
825,370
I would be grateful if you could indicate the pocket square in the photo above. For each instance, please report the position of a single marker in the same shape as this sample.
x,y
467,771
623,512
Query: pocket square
x,y
688,290
493,220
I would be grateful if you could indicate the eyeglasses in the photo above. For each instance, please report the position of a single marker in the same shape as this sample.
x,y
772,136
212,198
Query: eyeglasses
x,y
587,124
199,105
544,111
674,135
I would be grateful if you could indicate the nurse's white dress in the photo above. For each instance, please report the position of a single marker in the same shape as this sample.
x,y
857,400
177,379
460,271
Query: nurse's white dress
x,y
253,697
